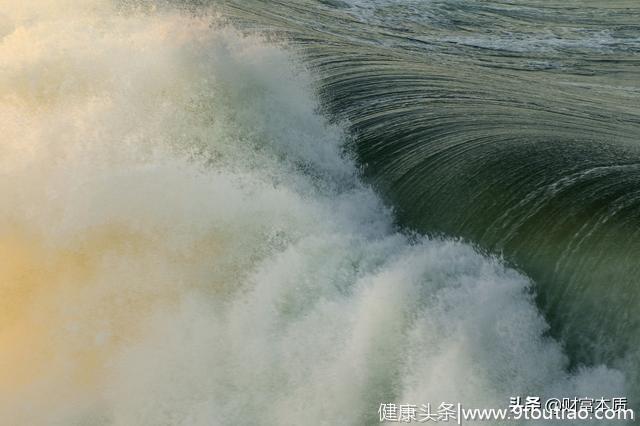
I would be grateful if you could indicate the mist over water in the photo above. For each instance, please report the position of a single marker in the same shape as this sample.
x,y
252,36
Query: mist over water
x,y
185,240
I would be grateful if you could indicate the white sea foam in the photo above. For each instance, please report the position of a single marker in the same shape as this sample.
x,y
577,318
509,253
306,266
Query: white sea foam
x,y
182,242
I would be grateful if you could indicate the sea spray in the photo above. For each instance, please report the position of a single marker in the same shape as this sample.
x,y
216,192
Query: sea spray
x,y
182,241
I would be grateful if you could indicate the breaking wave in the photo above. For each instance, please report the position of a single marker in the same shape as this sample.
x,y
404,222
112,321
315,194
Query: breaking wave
x,y
185,239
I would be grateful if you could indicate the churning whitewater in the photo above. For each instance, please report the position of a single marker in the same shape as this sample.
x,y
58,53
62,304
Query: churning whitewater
x,y
185,240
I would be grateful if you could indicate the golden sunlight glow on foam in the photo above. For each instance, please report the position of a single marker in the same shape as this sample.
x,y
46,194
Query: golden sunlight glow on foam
x,y
40,286
70,308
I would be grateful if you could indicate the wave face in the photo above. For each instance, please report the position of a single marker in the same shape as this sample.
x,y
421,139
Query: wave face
x,y
185,239
513,126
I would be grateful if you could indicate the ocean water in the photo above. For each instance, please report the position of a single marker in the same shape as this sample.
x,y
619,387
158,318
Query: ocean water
x,y
512,125
236,213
